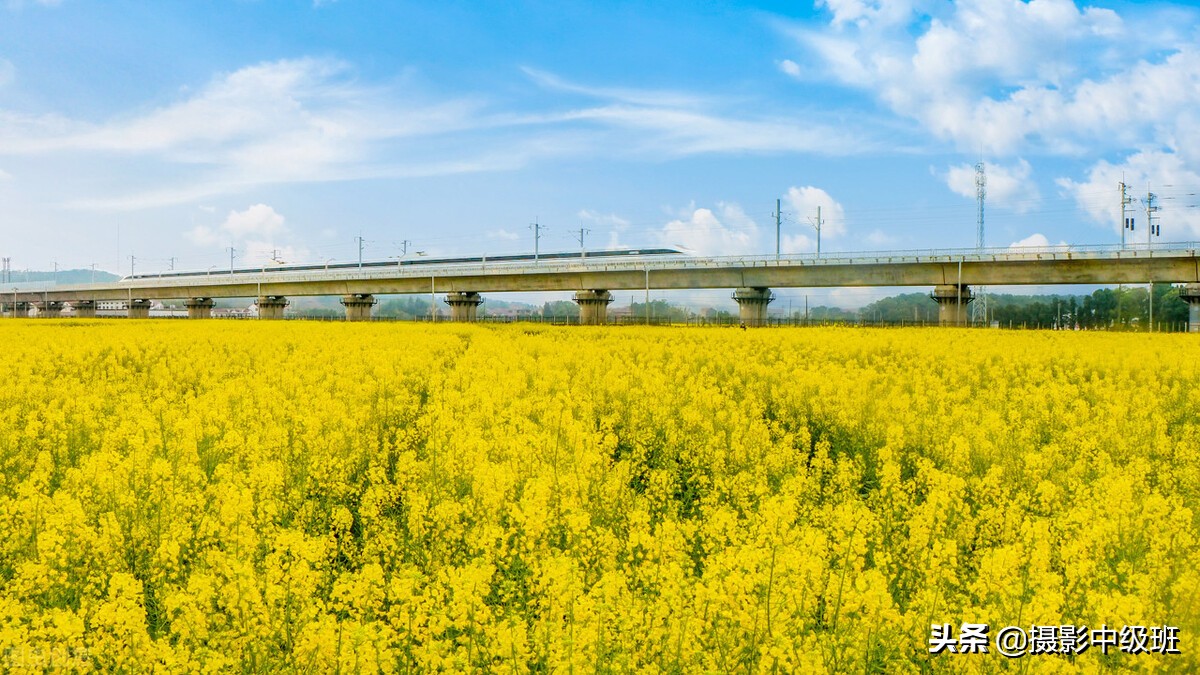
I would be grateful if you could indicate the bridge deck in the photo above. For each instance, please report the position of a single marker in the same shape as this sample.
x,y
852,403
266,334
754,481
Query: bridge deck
x,y
1175,263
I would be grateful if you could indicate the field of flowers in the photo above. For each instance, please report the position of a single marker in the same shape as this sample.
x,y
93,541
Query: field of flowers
x,y
284,496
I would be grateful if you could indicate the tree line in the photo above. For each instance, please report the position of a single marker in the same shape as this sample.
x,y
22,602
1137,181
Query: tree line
x,y
1121,308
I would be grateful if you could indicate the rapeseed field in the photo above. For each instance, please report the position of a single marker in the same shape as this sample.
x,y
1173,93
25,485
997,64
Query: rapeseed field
x,y
281,496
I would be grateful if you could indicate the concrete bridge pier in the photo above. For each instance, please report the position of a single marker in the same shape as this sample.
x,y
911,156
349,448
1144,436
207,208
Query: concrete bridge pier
x,y
752,305
1190,293
139,309
952,301
358,306
464,305
84,309
593,307
271,306
199,308
51,309
18,310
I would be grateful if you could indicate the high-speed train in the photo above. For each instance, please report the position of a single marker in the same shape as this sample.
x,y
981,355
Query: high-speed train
x,y
604,254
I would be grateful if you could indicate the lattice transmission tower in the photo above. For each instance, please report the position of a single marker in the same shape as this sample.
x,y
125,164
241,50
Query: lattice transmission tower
x,y
979,311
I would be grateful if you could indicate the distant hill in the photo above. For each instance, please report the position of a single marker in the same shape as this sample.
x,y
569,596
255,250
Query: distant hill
x,y
63,276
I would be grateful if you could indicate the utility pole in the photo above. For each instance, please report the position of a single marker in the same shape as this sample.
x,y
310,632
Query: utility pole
x,y
778,224
1151,321
93,273
1152,225
1126,221
131,261
232,251
537,237
55,272
817,224
1152,230
171,263
432,300
582,248
359,239
403,252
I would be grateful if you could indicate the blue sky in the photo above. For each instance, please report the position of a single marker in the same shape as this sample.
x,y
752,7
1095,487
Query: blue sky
x,y
177,129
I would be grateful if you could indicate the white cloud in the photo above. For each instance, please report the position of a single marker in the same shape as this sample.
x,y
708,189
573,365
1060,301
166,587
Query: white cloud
x,y
503,234
707,232
1168,174
1011,74
1011,77
803,203
665,122
297,110
203,235
790,67
258,224
615,225
880,238
258,220
1035,240
640,97
1007,186
311,120
867,12
603,219
680,132
283,121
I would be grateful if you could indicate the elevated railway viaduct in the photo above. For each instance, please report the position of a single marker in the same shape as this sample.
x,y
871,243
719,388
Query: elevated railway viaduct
x,y
951,275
